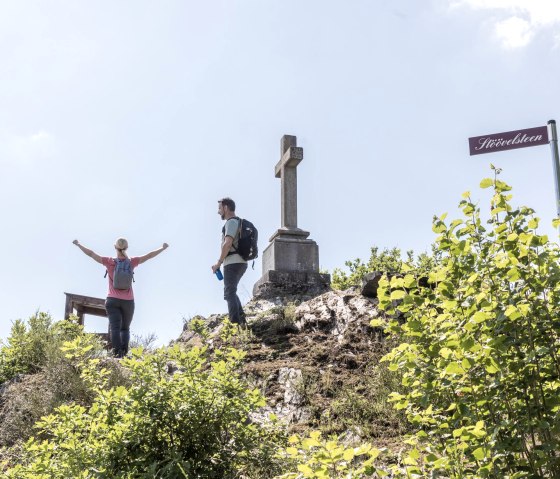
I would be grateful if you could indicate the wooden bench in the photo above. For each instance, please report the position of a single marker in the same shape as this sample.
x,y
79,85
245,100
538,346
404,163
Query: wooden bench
x,y
83,305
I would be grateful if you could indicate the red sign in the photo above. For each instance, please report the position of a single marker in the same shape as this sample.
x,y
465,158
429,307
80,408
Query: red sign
x,y
508,140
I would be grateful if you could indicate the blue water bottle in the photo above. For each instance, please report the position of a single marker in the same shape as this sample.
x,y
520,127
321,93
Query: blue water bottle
x,y
219,274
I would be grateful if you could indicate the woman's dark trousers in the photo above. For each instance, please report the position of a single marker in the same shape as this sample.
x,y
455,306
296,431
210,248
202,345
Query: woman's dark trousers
x,y
232,276
119,312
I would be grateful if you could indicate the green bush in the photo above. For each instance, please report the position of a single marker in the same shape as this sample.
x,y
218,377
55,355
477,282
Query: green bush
x,y
388,261
479,350
192,423
316,458
47,378
33,344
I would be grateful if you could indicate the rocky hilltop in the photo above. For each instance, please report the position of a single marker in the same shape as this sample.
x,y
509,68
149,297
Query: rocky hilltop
x,y
317,361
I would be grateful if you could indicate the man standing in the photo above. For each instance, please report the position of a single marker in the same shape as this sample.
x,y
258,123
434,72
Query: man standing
x,y
234,265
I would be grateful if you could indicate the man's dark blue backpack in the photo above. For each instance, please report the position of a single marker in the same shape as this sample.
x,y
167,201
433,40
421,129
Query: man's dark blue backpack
x,y
248,237
123,276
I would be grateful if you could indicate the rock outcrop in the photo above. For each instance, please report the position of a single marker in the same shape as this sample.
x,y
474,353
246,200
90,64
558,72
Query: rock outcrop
x,y
316,361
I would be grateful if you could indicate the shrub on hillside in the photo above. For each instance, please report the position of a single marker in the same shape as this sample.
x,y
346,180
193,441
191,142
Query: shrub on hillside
x,y
316,458
192,423
38,377
386,261
480,348
34,343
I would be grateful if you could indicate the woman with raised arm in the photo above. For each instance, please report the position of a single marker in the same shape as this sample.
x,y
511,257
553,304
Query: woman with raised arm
x,y
120,298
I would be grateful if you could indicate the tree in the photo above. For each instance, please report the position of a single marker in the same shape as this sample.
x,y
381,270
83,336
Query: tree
x,y
479,350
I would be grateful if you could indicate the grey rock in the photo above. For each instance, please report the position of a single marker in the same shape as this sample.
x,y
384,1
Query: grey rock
x,y
370,283
291,409
334,311
188,336
291,379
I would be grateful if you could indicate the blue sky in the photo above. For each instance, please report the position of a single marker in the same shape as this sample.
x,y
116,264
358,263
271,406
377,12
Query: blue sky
x,y
132,118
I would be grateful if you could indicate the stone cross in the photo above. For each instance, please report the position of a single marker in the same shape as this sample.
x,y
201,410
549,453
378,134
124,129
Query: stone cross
x,y
290,262
285,169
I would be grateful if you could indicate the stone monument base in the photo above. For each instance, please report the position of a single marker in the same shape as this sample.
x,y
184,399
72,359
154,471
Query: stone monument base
x,y
291,283
290,253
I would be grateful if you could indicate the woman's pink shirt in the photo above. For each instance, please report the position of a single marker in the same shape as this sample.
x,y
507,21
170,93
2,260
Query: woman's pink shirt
x,y
109,263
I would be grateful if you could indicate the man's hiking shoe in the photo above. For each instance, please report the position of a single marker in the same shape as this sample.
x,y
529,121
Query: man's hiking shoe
x,y
120,353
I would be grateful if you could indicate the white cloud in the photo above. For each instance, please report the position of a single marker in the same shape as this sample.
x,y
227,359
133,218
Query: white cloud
x,y
514,32
518,21
26,149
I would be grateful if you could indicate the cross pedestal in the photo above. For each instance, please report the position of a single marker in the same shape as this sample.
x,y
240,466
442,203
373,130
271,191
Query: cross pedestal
x,y
291,260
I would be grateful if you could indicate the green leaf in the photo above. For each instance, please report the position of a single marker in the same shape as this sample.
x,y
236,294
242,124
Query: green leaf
x,y
315,435
458,432
414,454
364,449
348,455
305,470
479,454
513,275
479,428
533,224
410,461
454,368
486,182
397,294
406,268
472,278
309,443
512,312
479,317
450,304
409,281
445,353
